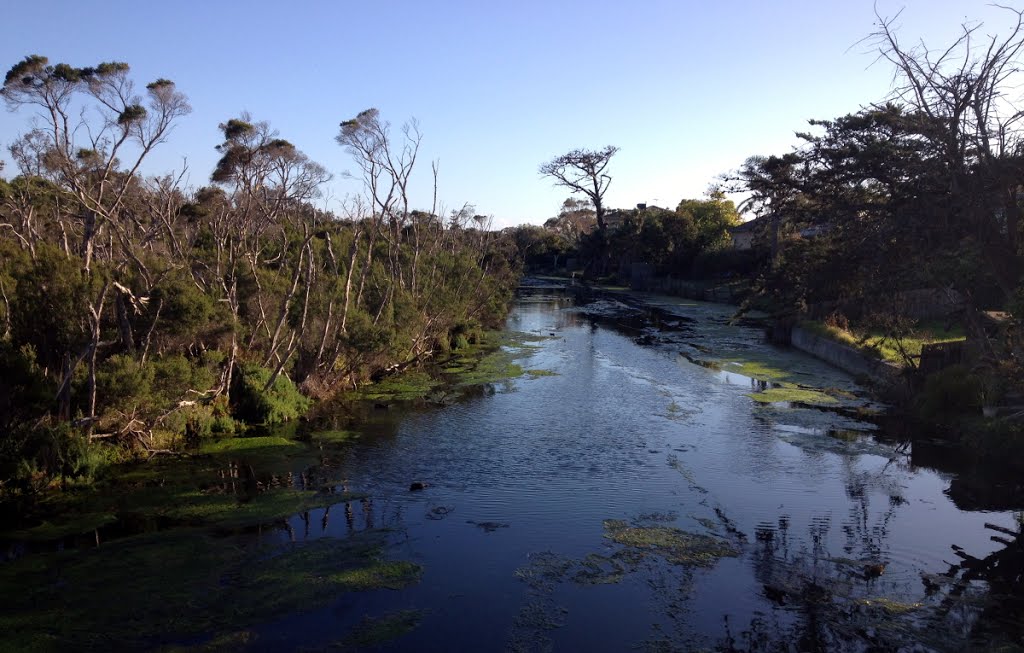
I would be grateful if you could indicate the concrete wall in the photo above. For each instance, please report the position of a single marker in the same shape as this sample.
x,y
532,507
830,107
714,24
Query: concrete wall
x,y
845,358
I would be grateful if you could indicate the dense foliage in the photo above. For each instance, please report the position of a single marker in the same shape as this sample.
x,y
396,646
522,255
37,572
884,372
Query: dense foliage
x,y
138,312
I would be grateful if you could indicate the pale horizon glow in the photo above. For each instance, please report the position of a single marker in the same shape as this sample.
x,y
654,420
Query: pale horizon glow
x,y
687,90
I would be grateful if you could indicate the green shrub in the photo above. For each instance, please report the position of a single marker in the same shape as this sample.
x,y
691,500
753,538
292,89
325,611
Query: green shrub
x,y
256,404
123,383
32,457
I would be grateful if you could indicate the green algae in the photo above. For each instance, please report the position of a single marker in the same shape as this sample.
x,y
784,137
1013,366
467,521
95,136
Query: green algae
x,y
597,569
673,544
495,367
254,450
392,575
756,370
229,511
536,374
230,483
375,631
333,437
408,386
180,584
792,395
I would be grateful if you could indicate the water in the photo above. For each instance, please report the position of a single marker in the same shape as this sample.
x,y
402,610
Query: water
x,y
521,481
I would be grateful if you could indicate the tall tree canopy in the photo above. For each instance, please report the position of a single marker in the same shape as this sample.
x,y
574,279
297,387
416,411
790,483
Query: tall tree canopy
x,y
583,171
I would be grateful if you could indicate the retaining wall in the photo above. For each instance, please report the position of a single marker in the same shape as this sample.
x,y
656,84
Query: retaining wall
x,y
844,357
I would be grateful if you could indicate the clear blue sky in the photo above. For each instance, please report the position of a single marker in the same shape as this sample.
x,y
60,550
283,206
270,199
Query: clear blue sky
x,y
687,89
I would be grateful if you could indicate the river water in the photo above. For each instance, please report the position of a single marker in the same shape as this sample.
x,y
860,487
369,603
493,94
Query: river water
x,y
825,533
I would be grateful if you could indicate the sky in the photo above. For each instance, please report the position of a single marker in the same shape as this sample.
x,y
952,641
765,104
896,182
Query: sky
x,y
687,89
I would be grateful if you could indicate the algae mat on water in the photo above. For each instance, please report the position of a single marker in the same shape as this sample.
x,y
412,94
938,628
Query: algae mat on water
x,y
144,592
229,483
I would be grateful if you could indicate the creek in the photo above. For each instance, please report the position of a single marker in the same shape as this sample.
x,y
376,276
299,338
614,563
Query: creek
x,y
660,479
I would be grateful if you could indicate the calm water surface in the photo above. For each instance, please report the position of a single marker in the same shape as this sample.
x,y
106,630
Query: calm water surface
x,y
628,427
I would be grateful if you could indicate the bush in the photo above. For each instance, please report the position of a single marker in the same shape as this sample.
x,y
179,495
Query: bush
x,y
275,405
952,391
31,457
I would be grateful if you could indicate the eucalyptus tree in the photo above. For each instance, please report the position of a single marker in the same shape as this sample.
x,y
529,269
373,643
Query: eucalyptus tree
x,y
269,181
93,133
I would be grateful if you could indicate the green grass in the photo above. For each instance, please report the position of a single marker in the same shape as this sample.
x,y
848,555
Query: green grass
x,y
883,346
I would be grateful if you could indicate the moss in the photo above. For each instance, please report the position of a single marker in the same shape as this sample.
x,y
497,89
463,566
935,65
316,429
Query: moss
x,y
374,631
675,545
793,395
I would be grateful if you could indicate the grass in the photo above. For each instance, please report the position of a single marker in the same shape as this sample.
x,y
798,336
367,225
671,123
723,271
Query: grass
x,y
879,344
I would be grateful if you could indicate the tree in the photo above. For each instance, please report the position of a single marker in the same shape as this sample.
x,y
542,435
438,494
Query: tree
x,y
964,96
575,220
712,218
90,119
583,171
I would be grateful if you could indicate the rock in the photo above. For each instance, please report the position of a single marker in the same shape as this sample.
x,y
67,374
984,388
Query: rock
x,y
417,485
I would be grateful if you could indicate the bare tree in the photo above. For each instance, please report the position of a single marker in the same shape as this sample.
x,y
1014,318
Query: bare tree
x,y
967,96
583,171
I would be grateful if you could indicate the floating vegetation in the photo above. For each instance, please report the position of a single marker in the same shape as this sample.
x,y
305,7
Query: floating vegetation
x,y
756,370
676,412
374,631
254,450
675,545
792,395
676,464
381,574
332,437
494,367
596,569
408,386
178,584
227,511
536,374
544,570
